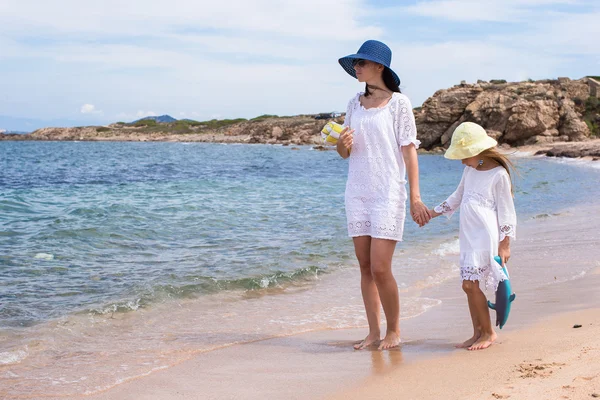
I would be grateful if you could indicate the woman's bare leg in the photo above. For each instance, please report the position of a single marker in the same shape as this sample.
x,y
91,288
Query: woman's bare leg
x,y
382,251
370,295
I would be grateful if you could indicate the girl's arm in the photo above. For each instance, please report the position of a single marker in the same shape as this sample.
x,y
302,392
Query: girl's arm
x,y
418,210
504,249
507,217
452,203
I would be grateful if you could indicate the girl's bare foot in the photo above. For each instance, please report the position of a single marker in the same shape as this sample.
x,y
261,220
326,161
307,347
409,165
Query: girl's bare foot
x,y
484,341
370,340
468,343
392,339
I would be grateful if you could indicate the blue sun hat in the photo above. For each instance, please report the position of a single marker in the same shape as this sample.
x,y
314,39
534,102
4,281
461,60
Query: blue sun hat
x,y
372,50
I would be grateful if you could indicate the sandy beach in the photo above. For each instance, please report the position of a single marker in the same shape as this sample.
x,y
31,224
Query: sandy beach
x,y
549,360
539,354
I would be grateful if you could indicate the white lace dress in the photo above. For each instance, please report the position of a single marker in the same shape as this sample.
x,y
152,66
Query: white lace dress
x,y
487,216
376,188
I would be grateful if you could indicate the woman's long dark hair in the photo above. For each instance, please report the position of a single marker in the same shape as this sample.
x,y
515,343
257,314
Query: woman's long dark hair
x,y
388,80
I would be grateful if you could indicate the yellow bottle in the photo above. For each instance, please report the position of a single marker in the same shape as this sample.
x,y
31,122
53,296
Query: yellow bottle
x,y
331,133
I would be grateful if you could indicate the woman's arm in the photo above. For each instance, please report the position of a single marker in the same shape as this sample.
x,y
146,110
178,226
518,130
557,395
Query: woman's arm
x,y
418,210
344,143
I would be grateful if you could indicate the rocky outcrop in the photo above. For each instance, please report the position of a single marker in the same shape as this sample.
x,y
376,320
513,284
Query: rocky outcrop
x,y
572,150
515,113
281,130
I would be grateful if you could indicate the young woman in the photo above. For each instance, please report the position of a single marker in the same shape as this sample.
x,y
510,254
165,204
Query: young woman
x,y
380,140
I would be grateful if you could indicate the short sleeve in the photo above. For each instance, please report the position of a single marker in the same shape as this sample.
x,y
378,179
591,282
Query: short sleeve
x,y
349,109
507,217
404,119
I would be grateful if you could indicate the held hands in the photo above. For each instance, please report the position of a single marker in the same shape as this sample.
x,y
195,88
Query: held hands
x,y
420,213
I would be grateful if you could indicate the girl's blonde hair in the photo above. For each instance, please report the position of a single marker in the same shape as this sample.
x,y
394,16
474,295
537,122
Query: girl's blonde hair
x,y
503,160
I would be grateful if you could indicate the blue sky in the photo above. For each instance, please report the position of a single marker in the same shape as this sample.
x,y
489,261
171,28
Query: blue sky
x,y
68,62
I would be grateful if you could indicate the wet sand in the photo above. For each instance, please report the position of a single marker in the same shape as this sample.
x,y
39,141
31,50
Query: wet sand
x,y
538,355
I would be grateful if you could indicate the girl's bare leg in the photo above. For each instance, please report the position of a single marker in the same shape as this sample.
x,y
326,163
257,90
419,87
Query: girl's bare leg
x,y
488,335
472,310
382,251
370,295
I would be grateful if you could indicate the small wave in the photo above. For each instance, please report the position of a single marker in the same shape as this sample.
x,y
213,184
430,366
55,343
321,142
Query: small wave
x,y
206,285
44,256
579,275
447,248
546,215
13,357
582,162
126,306
425,303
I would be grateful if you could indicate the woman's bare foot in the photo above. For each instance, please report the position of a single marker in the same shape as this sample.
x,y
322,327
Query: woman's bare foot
x,y
392,339
484,341
371,340
468,343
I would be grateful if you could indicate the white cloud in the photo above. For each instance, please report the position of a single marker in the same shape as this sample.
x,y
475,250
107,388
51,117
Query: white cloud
x,y
142,114
89,109
477,10
297,18
242,59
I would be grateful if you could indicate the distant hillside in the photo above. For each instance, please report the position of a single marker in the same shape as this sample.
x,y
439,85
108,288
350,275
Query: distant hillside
x,y
530,112
163,119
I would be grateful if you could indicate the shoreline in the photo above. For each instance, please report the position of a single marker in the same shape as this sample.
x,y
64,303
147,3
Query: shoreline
x,y
562,225
322,363
588,150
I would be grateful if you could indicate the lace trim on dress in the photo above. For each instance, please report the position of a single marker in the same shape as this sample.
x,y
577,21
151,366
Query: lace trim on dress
x,y
507,230
443,208
481,274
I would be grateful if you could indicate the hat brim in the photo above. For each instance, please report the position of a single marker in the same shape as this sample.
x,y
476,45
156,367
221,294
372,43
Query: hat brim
x,y
460,153
346,63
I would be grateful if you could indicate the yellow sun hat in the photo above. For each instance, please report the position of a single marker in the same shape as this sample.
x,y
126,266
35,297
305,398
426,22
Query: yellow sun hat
x,y
468,140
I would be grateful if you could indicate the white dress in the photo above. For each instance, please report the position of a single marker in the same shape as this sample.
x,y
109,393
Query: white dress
x,y
487,216
375,196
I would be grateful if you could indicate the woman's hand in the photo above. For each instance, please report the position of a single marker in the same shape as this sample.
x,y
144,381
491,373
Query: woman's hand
x,y
419,212
344,143
346,138
504,250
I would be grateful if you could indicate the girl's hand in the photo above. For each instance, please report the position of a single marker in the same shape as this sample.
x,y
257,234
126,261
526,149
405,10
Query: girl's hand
x,y
433,213
419,213
504,250
346,138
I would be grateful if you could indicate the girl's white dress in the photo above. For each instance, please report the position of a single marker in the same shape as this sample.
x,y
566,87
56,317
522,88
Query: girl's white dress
x,y
376,188
487,216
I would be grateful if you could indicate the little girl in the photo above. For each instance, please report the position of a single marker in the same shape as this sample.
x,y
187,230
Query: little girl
x,y
487,221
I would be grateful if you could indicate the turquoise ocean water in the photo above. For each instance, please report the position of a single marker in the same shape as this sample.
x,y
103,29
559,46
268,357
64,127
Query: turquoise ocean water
x,y
94,229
